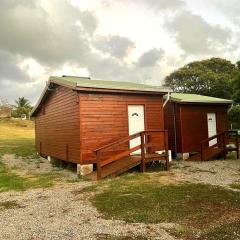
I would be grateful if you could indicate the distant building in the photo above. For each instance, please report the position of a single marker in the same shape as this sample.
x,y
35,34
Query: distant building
x,y
5,111
23,116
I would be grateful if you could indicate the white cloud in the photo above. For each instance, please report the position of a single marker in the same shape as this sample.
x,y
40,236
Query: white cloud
x,y
116,46
195,36
139,41
150,57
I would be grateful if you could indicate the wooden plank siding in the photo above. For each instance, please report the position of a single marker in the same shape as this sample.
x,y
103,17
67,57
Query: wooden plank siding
x,y
71,124
57,126
194,124
191,124
104,118
170,125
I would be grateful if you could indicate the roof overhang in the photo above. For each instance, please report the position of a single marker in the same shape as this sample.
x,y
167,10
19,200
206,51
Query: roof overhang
x,y
213,101
53,81
226,102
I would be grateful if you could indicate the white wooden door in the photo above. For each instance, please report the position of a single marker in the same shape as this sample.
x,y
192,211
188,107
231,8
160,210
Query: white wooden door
x,y
135,124
212,127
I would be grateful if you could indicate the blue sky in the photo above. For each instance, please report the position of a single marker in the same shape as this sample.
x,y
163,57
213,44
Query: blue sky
x,y
140,41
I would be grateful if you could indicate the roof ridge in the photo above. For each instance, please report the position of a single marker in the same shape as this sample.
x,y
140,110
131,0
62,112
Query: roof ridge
x,y
74,76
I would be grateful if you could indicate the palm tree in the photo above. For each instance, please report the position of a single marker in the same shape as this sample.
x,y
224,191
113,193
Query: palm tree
x,y
22,106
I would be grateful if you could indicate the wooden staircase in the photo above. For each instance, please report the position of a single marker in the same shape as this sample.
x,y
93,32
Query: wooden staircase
x,y
118,157
225,142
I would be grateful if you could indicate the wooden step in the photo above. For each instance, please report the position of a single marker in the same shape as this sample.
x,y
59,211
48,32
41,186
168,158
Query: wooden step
x,y
195,157
155,157
209,154
212,152
118,167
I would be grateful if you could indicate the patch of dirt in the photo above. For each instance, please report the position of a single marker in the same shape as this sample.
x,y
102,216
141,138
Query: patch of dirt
x,y
32,166
8,205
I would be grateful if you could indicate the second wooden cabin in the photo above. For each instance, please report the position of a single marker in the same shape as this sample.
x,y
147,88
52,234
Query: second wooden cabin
x,y
192,118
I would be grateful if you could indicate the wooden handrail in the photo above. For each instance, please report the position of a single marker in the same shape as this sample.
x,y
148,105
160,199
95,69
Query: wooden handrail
x,y
120,141
211,138
219,134
125,139
221,143
119,155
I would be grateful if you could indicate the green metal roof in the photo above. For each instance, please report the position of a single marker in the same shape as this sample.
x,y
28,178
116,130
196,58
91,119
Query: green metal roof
x,y
195,98
88,84
84,82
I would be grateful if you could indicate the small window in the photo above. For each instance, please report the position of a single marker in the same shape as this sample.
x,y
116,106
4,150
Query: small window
x,y
134,114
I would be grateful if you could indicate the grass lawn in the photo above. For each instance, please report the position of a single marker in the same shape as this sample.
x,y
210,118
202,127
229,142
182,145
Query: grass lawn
x,y
17,137
203,211
235,185
10,181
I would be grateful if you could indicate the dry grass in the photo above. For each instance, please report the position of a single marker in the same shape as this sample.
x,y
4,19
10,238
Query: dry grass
x,y
17,137
16,129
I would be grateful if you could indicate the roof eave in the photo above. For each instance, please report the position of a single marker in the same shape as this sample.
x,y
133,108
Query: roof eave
x,y
80,88
35,108
202,102
116,90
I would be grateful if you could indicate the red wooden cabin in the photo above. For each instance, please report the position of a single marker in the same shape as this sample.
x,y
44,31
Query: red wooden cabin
x,y
191,118
87,121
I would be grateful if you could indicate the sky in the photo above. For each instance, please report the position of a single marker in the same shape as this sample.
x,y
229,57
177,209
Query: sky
x,y
138,41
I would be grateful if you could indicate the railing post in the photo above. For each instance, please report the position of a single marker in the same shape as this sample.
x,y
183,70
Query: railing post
x,y
99,169
143,165
237,144
224,144
166,148
202,159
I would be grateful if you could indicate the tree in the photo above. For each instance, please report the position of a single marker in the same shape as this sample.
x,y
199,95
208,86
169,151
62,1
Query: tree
x,y
22,106
5,108
236,88
234,116
4,103
211,77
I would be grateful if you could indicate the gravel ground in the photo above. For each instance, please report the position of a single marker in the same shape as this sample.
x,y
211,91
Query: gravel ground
x,y
64,211
218,172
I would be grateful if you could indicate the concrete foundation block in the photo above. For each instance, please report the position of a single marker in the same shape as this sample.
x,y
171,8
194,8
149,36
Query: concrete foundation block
x,y
84,170
183,156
